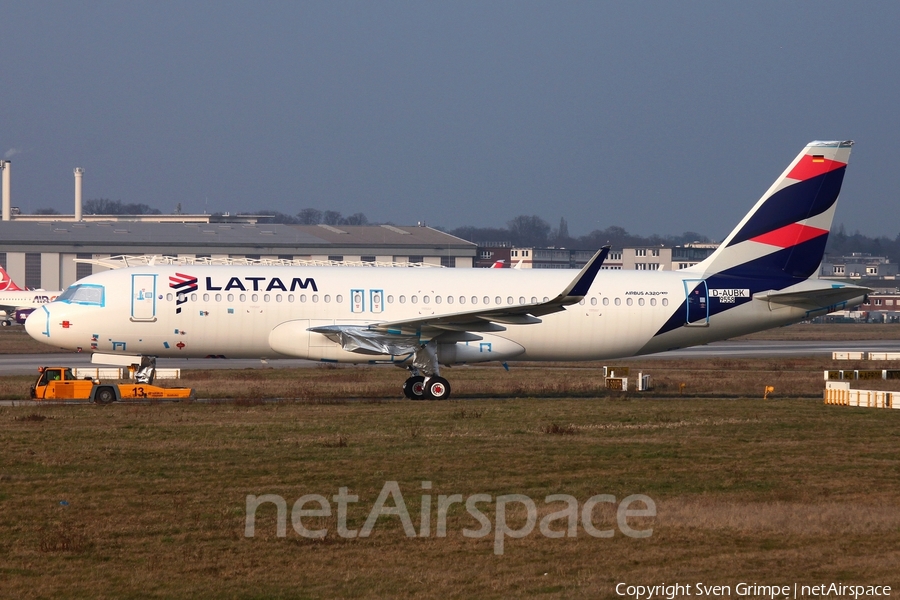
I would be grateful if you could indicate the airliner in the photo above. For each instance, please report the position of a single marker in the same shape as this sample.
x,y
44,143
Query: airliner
x,y
763,275
12,297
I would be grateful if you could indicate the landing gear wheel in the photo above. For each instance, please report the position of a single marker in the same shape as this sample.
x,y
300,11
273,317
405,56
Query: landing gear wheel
x,y
437,388
414,388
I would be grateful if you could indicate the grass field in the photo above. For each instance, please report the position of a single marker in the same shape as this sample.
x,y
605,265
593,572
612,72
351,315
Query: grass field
x,y
150,500
745,489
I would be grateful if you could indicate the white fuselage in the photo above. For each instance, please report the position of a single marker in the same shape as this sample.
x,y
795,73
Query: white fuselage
x,y
233,311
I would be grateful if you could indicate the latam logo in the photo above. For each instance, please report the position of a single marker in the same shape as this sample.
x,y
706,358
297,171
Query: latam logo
x,y
183,285
186,284
262,284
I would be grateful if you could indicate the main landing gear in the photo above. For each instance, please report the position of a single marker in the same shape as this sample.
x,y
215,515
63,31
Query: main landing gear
x,y
418,387
430,386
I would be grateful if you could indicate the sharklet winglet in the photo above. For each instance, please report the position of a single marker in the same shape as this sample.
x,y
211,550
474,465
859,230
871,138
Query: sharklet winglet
x,y
583,281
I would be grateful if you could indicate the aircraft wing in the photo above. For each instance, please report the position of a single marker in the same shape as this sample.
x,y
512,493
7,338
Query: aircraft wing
x,y
814,295
396,337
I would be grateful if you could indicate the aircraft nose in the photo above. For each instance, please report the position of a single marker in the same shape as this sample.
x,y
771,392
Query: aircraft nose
x,y
36,324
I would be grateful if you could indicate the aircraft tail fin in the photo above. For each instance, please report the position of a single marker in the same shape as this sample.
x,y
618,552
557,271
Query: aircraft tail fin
x,y
6,282
784,235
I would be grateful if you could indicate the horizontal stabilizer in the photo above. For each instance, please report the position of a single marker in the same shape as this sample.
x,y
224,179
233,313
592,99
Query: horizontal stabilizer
x,y
815,295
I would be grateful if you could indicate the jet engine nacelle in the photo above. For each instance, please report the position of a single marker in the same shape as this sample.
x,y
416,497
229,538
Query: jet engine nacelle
x,y
492,347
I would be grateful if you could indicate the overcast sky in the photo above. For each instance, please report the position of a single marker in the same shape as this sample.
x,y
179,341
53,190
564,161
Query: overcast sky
x,y
659,117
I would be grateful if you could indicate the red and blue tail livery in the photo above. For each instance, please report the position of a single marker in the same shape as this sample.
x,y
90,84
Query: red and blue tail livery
x,y
784,235
777,247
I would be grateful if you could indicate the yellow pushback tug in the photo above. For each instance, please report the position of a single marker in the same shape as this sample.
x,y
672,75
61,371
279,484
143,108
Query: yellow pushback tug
x,y
60,384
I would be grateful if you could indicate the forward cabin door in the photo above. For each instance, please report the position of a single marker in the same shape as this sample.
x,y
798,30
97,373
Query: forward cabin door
x,y
143,298
697,303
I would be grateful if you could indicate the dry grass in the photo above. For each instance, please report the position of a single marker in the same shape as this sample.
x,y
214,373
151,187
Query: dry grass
x,y
834,332
735,378
14,340
783,491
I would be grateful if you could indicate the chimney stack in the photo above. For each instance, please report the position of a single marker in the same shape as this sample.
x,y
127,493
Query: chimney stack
x,y
79,172
6,166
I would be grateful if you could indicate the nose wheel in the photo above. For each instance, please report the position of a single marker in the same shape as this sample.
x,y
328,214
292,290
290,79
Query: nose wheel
x,y
432,388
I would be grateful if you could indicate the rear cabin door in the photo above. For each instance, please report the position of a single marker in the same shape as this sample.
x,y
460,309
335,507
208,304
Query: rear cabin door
x,y
697,296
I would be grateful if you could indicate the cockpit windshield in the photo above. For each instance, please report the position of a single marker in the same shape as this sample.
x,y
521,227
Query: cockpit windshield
x,y
88,294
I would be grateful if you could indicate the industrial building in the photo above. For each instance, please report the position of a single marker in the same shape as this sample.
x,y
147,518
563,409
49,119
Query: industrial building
x,y
858,265
41,251
43,254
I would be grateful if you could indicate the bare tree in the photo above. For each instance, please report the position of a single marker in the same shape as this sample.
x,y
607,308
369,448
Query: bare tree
x,y
529,231
331,217
356,219
310,216
105,206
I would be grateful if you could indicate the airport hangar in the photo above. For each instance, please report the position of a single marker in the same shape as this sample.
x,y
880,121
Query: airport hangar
x,y
42,252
